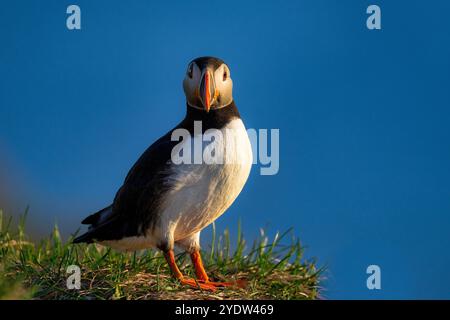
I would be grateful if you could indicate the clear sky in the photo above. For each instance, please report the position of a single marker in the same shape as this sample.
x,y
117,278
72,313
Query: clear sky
x,y
363,116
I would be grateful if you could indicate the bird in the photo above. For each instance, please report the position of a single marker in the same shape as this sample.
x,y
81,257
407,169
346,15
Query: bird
x,y
163,202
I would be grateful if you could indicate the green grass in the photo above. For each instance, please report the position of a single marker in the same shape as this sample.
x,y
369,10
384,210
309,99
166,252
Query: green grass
x,y
272,269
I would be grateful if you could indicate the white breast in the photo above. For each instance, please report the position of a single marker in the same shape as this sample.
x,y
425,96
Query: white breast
x,y
202,192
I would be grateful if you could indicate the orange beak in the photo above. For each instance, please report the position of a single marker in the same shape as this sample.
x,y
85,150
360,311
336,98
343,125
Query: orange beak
x,y
207,90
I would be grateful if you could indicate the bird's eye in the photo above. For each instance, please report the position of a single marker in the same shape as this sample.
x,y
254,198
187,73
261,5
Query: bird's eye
x,y
190,71
225,75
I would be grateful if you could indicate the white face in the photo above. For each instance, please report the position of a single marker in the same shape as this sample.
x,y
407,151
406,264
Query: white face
x,y
208,88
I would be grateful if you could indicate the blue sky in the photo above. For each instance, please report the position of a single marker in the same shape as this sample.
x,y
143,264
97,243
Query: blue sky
x,y
363,116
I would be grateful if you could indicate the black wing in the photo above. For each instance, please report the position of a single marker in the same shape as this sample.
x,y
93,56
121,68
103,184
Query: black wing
x,y
135,207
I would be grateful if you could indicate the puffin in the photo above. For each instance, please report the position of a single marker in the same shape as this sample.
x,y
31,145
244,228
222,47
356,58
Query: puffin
x,y
164,202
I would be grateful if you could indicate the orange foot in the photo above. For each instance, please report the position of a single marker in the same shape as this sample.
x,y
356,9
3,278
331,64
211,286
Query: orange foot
x,y
211,285
198,284
238,284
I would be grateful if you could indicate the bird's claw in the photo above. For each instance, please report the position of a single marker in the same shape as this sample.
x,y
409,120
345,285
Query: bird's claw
x,y
211,285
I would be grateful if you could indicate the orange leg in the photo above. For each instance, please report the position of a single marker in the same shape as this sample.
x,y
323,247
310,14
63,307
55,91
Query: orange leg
x,y
203,277
170,258
198,266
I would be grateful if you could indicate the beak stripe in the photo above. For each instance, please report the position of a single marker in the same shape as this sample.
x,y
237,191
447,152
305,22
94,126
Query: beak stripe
x,y
207,90
207,93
